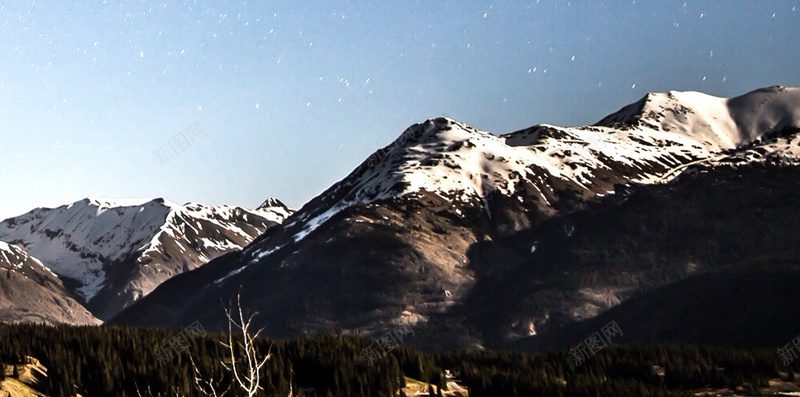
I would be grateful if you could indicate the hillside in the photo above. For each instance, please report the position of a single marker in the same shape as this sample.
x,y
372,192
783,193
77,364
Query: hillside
x,y
23,379
30,292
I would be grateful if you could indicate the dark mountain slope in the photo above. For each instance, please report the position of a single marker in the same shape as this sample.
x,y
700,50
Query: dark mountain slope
x,y
718,222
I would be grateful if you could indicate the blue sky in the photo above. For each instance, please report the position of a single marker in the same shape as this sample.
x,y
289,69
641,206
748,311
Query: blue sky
x,y
291,96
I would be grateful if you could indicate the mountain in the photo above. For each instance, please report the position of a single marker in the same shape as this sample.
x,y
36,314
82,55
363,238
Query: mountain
x,y
111,253
30,292
475,239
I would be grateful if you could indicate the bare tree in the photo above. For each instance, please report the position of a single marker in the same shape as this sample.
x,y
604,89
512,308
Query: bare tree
x,y
246,370
149,393
207,387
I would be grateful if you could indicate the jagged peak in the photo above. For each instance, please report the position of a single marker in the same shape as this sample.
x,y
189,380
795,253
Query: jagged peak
x,y
429,132
270,203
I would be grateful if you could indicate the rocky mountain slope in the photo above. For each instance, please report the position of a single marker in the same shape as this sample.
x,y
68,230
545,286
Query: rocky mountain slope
x,y
474,239
30,292
111,253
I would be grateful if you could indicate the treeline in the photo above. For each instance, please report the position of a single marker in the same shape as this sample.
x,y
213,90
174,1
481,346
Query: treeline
x,y
121,361
619,370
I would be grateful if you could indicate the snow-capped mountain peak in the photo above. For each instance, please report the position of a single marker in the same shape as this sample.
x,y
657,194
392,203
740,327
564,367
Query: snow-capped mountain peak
x,y
88,240
277,209
650,141
718,123
76,240
466,165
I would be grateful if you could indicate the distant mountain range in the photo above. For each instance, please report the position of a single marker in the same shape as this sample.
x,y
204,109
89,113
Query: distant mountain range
x,y
108,254
475,239
652,217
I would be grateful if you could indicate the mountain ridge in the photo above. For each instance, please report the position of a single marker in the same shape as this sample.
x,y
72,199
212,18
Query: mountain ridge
x,y
428,228
724,123
112,252
586,147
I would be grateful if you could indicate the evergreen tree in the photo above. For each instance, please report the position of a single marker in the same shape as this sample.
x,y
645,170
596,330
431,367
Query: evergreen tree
x,y
113,361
